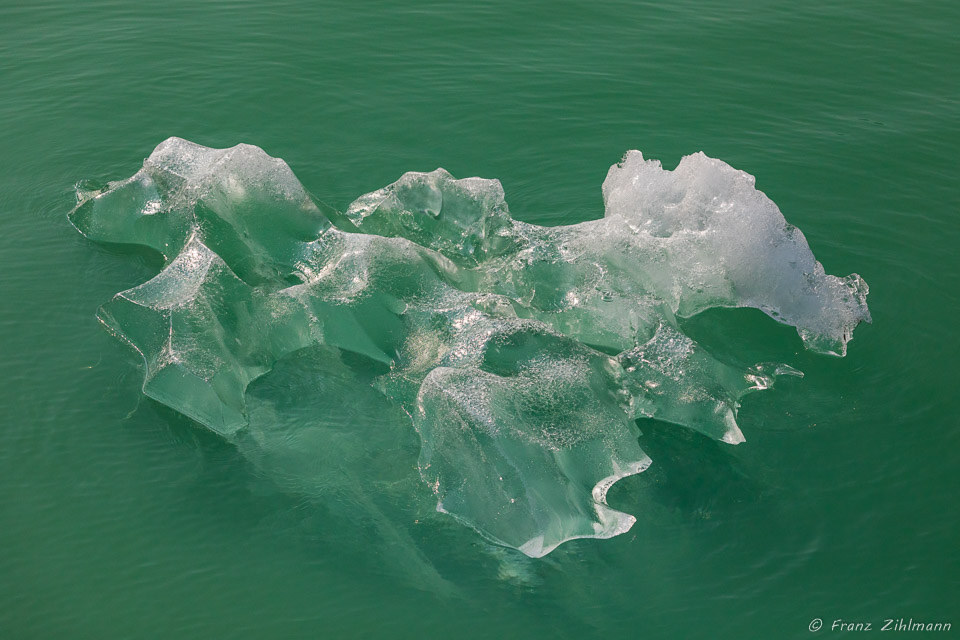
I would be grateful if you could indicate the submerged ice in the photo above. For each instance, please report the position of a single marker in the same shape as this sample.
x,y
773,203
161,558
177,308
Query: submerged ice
x,y
520,355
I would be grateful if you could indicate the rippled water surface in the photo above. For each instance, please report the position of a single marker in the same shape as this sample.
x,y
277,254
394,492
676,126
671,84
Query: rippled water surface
x,y
121,518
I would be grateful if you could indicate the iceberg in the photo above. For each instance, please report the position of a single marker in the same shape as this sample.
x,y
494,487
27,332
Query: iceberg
x,y
519,356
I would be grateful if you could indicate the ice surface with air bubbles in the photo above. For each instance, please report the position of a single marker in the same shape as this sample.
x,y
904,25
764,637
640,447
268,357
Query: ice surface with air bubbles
x,y
512,360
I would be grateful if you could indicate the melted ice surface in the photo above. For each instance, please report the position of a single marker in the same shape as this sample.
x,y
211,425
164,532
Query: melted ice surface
x,y
520,355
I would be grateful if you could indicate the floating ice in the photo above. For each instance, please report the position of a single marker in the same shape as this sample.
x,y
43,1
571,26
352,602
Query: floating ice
x,y
521,354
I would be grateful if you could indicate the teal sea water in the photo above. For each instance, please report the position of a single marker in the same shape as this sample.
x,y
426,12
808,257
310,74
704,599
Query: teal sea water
x,y
119,517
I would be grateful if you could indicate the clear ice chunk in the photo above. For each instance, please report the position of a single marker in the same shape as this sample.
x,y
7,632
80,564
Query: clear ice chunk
x,y
519,355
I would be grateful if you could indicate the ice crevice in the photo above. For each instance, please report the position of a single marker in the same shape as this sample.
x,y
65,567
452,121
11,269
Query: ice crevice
x,y
520,355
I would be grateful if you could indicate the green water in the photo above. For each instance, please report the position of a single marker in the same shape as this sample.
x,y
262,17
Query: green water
x,y
120,518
